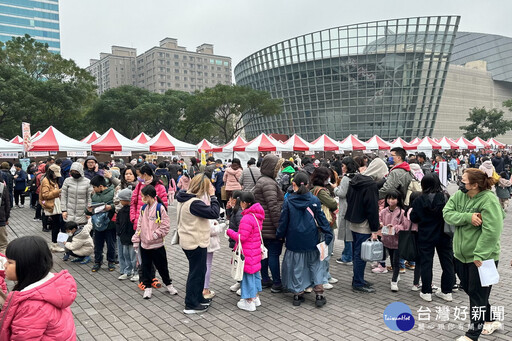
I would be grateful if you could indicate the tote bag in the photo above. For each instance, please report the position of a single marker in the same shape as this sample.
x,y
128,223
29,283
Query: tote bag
x,y
264,251
238,262
408,244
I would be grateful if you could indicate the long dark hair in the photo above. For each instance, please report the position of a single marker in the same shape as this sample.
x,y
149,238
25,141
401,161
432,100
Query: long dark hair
x,y
247,197
319,176
352,166
430,183
301,180
394,194
150,191
149,171
236,195
124,183
33,260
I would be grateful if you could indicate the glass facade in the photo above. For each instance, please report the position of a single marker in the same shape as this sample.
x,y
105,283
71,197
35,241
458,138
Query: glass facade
x,y
383,78
39,19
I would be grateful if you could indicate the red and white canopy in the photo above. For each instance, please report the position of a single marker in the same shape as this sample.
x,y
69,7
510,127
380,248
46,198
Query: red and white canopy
x,y
464,143
262,143
297,143
10,147
352,143
142,138
480,144
427,144
447,143
416,140
205,145
229,147
325,143
495,144
113,141
377,143
399,142
164,142
52,140
17,140
36,135
91,137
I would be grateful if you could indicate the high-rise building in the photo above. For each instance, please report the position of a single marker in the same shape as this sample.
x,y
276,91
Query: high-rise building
x,y
405,78
38,18
161,68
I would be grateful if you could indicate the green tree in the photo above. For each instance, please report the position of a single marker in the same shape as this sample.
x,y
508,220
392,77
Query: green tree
x,y
227,110
42,88
487,123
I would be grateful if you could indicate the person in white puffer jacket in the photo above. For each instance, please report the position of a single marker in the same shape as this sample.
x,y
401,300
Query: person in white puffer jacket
x,y
75,198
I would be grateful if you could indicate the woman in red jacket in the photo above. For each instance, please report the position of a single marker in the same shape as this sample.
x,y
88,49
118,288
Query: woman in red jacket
x,y
38,307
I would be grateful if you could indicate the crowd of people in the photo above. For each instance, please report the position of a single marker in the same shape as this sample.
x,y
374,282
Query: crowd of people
x,y
261,206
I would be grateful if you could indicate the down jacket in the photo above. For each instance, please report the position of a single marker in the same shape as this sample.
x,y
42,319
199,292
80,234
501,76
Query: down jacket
x,y
398,219
48,193
41,311
136,203
232,179
249,232
81,243
247,180
3,285
150,233
75,196
268,193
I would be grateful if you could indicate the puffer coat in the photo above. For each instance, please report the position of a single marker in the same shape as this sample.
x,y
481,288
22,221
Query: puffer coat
x,y
269,194
249,232
75,196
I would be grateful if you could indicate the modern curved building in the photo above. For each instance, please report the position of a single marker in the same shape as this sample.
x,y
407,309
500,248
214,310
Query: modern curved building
x,y
383,77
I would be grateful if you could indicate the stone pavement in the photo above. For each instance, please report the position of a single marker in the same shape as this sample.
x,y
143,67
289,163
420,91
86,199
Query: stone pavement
x,y
109,309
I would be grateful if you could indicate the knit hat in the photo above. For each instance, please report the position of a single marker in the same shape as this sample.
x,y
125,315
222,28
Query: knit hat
x,y
125,194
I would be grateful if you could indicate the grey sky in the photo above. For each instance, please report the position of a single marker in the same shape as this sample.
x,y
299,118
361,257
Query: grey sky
x,y
238,28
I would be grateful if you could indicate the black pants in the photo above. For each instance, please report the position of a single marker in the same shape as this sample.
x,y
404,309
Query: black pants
x,y
54,222
158,257
394,258
445,254
72,254
19,194
39,210
417,271
33,199
478,296
195,280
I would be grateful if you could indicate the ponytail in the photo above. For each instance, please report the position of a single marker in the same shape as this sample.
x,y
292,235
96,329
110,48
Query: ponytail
x,y
301,180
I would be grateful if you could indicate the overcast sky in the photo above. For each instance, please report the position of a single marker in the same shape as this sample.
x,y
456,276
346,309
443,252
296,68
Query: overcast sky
x,y
238,28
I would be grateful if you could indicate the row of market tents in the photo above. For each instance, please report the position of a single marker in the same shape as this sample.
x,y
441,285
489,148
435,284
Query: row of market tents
x,y
52,140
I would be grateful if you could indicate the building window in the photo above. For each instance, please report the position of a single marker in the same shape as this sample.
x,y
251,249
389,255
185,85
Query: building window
x,y
212,61
176,56
176,64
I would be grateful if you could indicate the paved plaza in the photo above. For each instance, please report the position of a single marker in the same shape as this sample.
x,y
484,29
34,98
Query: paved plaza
x,y
109,309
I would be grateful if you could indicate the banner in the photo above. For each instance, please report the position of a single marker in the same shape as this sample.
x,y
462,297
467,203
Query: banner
x,y
188,153
27,142
169,154
77,154
122,153
9,155
203,157
37,154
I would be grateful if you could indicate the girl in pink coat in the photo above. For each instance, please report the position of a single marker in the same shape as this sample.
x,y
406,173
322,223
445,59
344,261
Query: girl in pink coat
x,y
38,307
145,176
249,232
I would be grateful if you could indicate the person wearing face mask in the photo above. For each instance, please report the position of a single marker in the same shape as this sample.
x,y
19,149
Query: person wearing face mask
x,y
145,176
476,213
79,244
75,196
49,198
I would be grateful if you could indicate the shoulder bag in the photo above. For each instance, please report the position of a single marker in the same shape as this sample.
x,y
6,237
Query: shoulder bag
x,y
408,244
264,251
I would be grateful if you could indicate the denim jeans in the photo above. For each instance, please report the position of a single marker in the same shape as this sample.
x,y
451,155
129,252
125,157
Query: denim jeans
x,y
100,238
359,264
275,248
326,260
127,258
346,255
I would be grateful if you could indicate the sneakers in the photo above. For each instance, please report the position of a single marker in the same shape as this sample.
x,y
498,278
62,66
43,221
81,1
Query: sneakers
x,y
447,297
85,260
394,286
65,257
410,266
416,287
135,278
332,280
402,270
195,310
380,270
257,301
147,293
111,266
21,206
239,292
246,305
340,261
456,287
308,290
156,284
426,297
298,299
365,289
389,267
96,267
122,277
276,288
266,284
210,294
320,301
328,286
172,290
206,301
77,260
235,287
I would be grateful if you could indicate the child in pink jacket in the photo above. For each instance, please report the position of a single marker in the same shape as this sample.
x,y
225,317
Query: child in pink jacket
x,y
393,220
249,233
152,226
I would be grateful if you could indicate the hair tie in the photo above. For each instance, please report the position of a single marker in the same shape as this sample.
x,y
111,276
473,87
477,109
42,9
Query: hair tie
x,y
302,183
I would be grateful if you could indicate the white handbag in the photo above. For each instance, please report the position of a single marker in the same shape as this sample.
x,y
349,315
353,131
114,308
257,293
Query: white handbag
x,y
264,251
238,262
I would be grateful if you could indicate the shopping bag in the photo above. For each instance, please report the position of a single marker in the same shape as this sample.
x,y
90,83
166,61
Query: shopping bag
x,y
238,262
